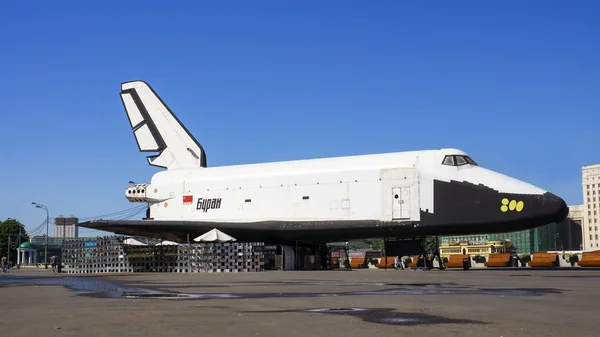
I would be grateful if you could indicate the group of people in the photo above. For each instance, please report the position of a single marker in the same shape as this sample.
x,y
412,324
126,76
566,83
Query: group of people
x,y
422,261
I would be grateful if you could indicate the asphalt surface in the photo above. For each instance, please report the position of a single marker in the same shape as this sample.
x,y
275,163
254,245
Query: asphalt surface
x,y
517,302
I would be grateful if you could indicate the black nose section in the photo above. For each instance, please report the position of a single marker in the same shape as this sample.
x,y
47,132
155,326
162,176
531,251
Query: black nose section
x,y
555,207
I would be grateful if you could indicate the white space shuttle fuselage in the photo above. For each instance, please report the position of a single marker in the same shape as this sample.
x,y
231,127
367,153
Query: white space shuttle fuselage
x,y
428,192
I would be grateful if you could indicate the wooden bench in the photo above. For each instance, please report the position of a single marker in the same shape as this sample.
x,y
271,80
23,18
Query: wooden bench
x,y
413,262
456,261
590,259
498,260
544,260
386,262
358,263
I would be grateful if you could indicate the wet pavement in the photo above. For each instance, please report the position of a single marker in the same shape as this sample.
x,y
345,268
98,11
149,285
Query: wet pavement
x,y
104,288
523,302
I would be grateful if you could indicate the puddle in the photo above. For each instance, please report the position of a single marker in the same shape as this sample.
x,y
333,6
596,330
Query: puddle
x,y
103,288
382,316
573,276
335,310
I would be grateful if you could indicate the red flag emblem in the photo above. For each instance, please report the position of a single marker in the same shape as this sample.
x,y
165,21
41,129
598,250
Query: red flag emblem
x,y
188,199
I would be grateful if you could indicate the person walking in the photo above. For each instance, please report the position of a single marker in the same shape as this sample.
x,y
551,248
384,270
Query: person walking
x,y
4,264
53,263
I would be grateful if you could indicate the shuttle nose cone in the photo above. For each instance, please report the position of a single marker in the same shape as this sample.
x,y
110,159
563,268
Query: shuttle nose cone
x,y
555,207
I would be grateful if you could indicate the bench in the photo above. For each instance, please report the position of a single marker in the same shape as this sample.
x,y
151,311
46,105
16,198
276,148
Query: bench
x,y
357,263
386,262
498,260
456,261
544,260
590,259
413,262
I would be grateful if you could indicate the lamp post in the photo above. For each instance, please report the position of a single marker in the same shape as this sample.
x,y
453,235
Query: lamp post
x,y
47,221
556,237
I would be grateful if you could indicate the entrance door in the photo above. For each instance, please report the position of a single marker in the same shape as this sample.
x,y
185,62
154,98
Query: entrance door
x,y
401,202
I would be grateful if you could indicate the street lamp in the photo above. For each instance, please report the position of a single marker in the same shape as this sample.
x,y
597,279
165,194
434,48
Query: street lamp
x,y
47,221
556,237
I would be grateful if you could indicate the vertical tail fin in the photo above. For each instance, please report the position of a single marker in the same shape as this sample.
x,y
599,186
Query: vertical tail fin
x,y
156,129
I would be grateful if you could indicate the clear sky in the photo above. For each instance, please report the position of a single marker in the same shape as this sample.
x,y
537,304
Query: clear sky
x,y
512,83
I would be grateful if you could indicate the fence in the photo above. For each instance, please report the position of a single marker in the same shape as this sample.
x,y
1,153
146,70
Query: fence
x,y
109,255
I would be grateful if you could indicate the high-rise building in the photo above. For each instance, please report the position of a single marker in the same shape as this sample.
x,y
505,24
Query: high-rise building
x,y
66,227
591,206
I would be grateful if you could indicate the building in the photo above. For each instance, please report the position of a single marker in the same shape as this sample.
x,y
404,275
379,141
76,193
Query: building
x,y
66,227
591,206
539,239
576,214
572,228
475,248
54,247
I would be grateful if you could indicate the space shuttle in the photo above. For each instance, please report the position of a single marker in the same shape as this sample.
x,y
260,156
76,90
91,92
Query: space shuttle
x,y
402,194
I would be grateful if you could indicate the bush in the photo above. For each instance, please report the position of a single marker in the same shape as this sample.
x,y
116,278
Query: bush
x,y
525,258
571,258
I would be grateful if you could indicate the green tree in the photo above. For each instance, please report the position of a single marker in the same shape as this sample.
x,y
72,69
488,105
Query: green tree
x,y
377,245
430,243
11,227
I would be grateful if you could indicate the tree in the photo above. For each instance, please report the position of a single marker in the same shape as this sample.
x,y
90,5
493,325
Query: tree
x,y
430,243
11,227
377,245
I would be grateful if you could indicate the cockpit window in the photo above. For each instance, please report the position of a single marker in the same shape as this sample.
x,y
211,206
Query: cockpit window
x,y
470,161
457,160
449,160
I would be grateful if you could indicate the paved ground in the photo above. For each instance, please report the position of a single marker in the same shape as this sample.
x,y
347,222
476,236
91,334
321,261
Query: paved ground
x,y
521,302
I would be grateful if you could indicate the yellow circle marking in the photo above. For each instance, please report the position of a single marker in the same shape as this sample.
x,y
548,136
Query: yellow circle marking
x,y
503,208
512,205
520,206
166,205
155,190
504,201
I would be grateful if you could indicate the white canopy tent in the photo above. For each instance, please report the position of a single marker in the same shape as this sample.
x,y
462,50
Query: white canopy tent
x,y
167,243
133,242
214,235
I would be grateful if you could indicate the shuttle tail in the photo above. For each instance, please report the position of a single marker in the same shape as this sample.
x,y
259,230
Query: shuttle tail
x,y
157,129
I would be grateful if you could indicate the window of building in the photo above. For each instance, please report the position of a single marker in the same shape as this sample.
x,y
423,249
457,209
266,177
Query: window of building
x,y
596,236
590,236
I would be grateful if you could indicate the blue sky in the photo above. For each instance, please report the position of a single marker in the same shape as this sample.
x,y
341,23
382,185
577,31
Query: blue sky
x,y
513,83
